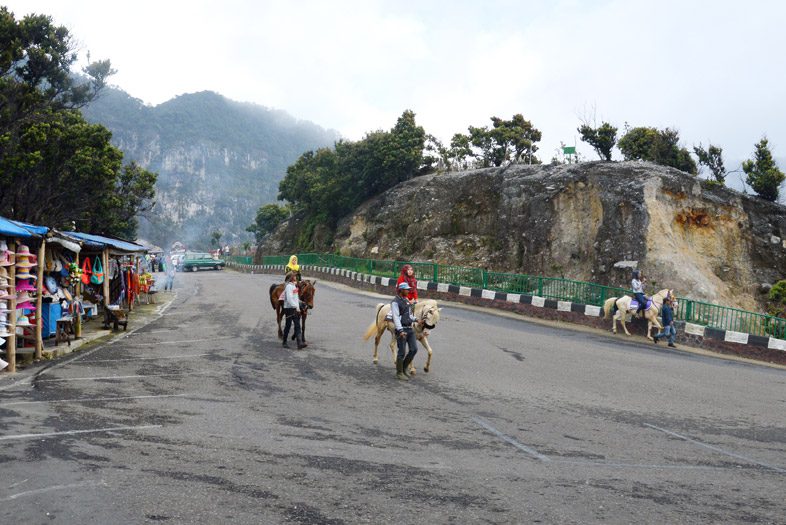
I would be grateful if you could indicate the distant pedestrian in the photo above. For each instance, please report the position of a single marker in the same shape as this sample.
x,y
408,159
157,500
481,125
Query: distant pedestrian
x,y
170,273
667,318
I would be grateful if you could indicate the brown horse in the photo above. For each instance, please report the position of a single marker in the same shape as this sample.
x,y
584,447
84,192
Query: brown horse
x,y
305,293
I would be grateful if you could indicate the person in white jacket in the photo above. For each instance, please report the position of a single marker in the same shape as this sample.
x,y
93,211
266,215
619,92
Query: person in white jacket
x,y
292,306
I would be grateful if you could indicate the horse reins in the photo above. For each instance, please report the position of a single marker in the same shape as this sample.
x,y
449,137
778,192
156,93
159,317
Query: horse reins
x,y
425,324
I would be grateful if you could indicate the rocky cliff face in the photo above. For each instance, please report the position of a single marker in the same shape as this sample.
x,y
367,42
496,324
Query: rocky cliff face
x,y
217,160
592,221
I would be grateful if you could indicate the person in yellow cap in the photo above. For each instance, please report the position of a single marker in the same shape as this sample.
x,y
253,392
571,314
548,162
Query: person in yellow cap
x,y
294,267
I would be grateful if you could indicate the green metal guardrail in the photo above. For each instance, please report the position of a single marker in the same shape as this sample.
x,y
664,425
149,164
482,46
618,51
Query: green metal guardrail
x,y
697,312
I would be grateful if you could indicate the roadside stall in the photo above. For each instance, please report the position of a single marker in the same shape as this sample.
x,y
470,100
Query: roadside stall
x,y
110,275
12,240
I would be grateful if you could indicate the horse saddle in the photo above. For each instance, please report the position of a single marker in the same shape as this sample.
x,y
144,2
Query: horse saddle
x,y
634,304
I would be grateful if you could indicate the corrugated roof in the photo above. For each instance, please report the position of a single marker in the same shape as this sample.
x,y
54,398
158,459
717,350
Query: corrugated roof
x,y
10,228
100,241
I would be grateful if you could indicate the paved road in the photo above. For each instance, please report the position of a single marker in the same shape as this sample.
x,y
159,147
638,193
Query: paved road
x,y
201,417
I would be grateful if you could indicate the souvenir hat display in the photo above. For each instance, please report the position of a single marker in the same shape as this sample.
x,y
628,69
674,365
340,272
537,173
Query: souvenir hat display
x,y
23,320
4,319
25,285
25,274
24,301
4,307
4,332
5,294
5,258
23,255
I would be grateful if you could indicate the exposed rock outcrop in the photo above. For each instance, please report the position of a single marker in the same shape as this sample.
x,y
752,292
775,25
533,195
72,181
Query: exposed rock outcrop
x,y
592,221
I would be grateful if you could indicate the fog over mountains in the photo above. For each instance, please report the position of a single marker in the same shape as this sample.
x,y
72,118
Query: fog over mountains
x,y
217,160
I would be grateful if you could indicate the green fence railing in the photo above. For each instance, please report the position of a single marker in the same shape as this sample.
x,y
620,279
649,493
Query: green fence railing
x,y
697,312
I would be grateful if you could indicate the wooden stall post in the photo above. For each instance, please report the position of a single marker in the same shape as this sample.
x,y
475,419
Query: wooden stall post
x,y
10,344
77,293
105,260
39,341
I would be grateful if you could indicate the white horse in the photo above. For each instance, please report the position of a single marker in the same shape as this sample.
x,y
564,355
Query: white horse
x,y
621,306
426,310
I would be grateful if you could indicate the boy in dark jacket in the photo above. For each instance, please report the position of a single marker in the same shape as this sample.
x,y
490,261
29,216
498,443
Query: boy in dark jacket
x,y
667,318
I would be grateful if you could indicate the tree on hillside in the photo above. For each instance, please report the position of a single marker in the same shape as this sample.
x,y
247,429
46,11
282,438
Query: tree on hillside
x,y
56,168
712,157
268,217
517,137
658,146
509,141
762,173
436,156
327,184
63,169
602,138
35,70
460,150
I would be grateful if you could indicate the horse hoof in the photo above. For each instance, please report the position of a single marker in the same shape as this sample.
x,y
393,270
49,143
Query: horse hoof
x,y
425,369
376,361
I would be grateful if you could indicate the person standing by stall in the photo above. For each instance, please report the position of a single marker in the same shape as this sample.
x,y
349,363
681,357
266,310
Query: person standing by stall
x,y
170,273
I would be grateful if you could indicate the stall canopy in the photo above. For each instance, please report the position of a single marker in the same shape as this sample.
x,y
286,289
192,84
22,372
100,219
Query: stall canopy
x,y
99,241
11,228
37,231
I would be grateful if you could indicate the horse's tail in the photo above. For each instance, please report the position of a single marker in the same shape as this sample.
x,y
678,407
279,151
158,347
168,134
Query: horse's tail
x,y
372,328
272,299
609,307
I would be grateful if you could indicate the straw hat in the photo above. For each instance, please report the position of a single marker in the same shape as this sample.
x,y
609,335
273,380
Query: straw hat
x,y
5,259
4,248
4,306
25,274
5,295
23,320
3,273
27,305
4,283
23,251
24,263
4,332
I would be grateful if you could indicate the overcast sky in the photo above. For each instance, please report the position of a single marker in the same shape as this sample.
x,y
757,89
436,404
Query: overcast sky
x,y
713,70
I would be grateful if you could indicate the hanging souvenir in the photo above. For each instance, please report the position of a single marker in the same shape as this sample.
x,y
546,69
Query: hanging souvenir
x,y
86,271
98,272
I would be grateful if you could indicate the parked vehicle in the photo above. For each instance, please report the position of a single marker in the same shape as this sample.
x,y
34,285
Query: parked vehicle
x,y
196,261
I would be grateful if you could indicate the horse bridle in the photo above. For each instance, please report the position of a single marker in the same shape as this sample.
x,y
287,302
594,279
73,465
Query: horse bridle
x,y
423,318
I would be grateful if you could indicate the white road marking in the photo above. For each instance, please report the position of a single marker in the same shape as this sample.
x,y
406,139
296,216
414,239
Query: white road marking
x,y
531,451
73,432
100,378
184,341
89,399
635,465
36,492
716,449
182,356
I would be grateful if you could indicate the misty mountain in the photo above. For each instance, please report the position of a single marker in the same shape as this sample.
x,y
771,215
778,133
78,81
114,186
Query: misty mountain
x,y
217,160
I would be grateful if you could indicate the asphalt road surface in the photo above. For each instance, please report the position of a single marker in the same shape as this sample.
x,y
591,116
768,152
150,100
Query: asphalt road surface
x,y
202,417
